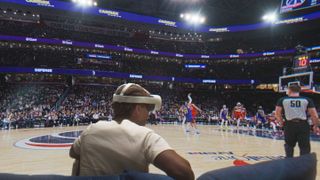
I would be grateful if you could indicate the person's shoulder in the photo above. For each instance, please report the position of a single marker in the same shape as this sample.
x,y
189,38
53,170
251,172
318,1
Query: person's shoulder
x,y
283,98
307,98
129,124
136,131
304,97
280,100
100,125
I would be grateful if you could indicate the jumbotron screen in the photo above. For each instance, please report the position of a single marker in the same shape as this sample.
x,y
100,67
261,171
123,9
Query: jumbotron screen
x,y
291,5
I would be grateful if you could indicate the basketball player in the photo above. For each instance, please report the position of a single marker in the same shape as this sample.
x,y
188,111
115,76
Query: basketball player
x,y
191,115
243,112
296,128
182,113
238,113
261,116
272,121
152,118
110,148
224,116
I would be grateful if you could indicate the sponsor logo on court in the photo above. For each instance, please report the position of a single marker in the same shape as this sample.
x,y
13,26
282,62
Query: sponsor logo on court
x,y
231,156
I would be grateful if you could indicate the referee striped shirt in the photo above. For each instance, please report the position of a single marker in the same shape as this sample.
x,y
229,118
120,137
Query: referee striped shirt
x,y
295,107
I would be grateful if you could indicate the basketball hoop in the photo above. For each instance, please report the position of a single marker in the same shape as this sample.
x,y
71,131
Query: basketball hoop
x,y
310,91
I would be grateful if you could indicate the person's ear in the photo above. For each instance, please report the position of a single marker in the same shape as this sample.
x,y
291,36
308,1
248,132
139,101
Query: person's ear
x,y
137,109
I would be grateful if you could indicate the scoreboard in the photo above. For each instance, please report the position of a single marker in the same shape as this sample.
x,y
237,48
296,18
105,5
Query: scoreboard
x,y
291,5
301,61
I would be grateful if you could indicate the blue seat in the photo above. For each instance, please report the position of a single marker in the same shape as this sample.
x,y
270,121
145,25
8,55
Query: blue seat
x,y
124,176
298,168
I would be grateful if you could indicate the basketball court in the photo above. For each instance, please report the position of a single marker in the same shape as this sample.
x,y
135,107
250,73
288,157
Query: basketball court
x,y
45,150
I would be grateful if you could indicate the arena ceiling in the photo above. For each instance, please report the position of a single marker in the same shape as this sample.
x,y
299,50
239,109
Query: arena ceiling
x,y
217,12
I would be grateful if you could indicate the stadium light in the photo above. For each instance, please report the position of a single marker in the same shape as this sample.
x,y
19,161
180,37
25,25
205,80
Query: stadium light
x,y
193,18
270,17
188,17
85,3
202,20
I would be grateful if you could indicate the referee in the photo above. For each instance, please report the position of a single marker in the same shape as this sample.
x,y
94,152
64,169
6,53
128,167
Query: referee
x,y
296,128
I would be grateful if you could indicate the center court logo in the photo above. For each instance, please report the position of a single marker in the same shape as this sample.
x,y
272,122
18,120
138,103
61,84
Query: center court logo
x,y
55,141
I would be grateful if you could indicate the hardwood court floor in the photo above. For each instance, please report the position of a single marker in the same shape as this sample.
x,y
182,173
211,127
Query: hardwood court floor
x,y
212,149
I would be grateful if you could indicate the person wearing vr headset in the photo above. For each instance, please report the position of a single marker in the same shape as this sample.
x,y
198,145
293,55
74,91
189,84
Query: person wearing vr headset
x,y
124,144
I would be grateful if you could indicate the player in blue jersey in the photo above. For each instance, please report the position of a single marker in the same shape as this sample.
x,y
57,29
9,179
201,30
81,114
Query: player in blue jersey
x,y
192,111
261,116
224,112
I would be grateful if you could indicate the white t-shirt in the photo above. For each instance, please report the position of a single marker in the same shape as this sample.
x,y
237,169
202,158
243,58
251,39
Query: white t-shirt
x,y
109,148
95,116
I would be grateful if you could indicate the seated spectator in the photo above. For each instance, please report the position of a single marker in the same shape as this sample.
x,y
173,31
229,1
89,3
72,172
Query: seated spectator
x,y
109,148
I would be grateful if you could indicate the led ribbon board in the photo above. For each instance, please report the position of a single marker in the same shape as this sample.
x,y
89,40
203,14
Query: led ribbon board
x,y
119,75
145,51
98,56
68,6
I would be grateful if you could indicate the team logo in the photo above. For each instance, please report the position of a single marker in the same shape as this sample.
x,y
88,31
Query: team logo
x,y
293,3
54,141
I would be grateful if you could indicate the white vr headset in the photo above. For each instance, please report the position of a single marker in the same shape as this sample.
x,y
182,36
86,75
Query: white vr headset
x,y
152,99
